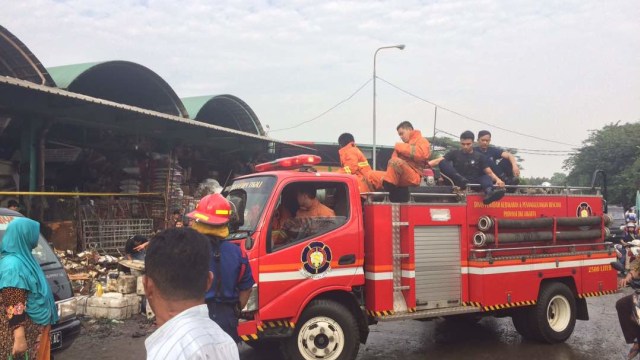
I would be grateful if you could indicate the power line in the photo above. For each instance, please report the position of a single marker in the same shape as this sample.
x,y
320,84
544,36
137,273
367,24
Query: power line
x,y
472,119
541,152
328,110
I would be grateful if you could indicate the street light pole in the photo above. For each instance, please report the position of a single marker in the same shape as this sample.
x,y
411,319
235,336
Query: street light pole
x,y
374,97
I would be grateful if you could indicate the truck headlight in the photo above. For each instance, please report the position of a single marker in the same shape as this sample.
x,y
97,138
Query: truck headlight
x,y
67,309
252,304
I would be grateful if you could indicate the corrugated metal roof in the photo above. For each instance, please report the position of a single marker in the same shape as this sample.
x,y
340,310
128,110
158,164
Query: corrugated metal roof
x,y
11,89
120,81
16,60
224,110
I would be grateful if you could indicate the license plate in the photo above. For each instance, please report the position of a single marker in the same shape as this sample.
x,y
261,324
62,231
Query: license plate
x,y
56,339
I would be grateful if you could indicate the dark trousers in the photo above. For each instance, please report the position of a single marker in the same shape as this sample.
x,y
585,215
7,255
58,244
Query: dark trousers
x,y
504,171
224,314
630,329
447,168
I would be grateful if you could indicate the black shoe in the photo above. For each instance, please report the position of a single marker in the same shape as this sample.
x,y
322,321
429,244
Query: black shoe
x,y
493,195
399,195
461,181
388,187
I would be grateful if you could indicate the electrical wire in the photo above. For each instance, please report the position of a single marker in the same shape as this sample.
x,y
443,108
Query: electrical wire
x,y
470,118
326,111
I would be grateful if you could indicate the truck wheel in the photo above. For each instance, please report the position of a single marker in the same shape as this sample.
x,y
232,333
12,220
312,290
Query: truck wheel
x,y
520,321
554,317
326,330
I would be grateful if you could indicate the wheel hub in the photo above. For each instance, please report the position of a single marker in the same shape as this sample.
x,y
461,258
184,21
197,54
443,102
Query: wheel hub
x,y
321,338
558,313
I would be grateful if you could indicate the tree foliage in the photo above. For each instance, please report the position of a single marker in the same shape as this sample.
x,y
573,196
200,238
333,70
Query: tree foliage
x,y
616,150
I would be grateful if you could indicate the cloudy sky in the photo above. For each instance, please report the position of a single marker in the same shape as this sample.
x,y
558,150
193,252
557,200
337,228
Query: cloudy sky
x,y
538,74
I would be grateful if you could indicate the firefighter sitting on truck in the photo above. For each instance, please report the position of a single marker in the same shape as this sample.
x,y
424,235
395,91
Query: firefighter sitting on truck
x,y
406,165
465,166
232,279
354,162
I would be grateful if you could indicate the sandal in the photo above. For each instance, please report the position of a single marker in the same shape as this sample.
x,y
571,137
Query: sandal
x,y
635,349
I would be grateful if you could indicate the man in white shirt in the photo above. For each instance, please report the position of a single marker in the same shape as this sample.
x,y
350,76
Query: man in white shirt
x,y
176,278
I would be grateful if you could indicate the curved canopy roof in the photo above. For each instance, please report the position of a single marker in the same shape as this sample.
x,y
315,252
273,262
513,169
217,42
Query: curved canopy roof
x,y
120,81
224,110
16,60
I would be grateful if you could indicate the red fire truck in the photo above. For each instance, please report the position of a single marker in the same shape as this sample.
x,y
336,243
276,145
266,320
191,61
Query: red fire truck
x,y
533,257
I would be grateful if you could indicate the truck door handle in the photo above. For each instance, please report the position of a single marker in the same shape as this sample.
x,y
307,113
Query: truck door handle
x,y
347,259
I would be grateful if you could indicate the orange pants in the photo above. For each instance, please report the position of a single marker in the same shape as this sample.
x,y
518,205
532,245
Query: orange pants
x,y
400,173
375,179
44,344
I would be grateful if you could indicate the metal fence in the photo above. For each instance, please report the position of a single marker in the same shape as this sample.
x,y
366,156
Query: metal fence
x,y
110,236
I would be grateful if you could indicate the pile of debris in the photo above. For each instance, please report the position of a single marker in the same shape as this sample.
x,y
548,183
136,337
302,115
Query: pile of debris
x,y
87,268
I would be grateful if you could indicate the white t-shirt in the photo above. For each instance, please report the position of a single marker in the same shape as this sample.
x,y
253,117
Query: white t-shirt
x,y
191,335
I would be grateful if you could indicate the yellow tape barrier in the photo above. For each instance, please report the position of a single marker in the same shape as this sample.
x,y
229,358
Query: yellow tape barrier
x,y
36,193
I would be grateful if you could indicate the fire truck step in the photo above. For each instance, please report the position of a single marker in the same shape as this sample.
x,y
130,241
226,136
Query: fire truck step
x,y
431,313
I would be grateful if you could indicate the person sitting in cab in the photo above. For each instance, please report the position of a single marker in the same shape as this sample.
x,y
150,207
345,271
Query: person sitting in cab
x,y
311,216
280,217
354,162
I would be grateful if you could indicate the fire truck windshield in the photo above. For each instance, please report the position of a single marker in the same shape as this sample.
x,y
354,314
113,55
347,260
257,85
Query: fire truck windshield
x,y
250,196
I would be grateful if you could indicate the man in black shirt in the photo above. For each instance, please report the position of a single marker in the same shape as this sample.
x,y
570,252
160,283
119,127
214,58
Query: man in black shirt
x,y
502,162
466,166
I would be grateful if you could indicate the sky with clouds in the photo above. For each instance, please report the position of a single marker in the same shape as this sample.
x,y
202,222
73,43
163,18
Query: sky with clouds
x,y
552,70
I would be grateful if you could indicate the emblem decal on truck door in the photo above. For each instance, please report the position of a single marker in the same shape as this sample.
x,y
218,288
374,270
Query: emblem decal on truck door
x,y
584,210
316,260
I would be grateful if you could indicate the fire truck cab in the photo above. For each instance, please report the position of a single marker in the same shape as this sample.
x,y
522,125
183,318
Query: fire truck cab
x,y
322,281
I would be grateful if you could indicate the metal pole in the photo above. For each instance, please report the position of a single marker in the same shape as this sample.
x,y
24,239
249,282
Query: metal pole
x,y
374,98
435,119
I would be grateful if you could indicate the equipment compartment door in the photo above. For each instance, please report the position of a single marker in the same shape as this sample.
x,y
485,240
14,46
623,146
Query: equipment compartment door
x,y
437,257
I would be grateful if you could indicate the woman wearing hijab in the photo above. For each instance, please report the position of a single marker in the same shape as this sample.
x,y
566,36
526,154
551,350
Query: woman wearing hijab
x,y
26,301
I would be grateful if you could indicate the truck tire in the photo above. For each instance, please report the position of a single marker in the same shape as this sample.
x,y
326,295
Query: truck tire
x,y
553,318
520,321
327,331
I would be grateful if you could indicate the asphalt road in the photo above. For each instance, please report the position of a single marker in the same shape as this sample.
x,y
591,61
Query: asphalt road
x,y
491,338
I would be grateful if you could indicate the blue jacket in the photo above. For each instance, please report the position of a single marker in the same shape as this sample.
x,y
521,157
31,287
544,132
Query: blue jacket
x,y
231,272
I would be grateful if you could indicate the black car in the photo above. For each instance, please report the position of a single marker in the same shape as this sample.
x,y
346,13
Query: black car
x,y
68,327
617,223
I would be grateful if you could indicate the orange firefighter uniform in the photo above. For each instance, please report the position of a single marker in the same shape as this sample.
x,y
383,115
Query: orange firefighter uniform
x,y
353,162
408,161
316,209
278,235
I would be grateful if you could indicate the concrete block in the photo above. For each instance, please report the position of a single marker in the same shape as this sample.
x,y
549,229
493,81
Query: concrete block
x,y
108,306
133,304
139,286
126,284
81,307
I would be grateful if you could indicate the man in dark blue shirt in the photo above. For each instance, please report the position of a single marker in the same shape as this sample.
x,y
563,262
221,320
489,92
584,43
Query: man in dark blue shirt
x,y
232,278
502,162
466,166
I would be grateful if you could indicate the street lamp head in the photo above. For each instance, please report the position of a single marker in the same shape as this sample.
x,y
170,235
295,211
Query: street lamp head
x,y
401,46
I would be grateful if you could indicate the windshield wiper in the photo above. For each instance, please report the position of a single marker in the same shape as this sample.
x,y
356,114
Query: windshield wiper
x,y
234,235
48,263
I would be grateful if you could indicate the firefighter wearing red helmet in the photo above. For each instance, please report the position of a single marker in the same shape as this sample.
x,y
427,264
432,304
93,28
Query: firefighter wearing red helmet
x,y
232,278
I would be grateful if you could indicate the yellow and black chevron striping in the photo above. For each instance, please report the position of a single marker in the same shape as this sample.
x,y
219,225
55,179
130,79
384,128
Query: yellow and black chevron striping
x,y
509,305
380,313
411,310
471,303
251,337
278,323
597,293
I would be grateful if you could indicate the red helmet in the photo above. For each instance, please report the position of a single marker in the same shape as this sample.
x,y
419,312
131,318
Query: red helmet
x,y
212,209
